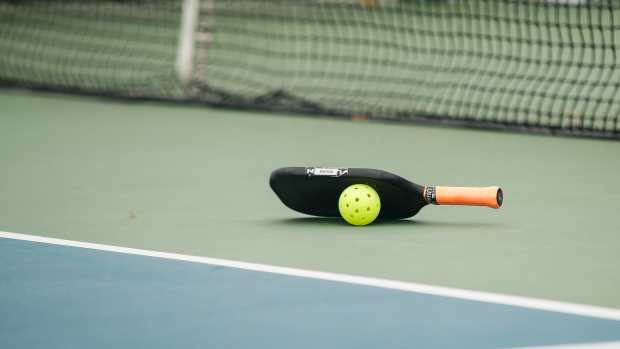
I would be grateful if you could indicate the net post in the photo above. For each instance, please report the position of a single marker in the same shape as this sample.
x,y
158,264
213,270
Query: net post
x,y
184,64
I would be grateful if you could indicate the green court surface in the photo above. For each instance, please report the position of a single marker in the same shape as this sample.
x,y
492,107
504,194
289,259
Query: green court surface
x,y
194,180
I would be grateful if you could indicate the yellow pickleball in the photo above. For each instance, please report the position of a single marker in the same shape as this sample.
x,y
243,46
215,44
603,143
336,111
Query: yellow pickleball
x,y
359,204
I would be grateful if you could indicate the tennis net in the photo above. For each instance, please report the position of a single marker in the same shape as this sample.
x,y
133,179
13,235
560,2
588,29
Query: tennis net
x,y
533,65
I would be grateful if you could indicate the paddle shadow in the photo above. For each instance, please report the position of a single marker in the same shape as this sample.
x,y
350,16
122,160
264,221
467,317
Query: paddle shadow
x,y
325,221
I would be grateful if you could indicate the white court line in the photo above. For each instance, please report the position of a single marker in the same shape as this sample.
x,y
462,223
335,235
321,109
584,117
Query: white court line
x,y
598,345
487,297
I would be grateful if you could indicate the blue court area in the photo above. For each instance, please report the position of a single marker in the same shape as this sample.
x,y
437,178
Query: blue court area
x,y
55,296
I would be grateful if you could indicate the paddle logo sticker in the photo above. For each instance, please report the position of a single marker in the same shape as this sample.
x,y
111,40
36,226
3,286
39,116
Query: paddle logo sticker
x,y
328,172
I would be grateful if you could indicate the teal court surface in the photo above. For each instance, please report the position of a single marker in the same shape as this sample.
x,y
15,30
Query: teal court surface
x,y
134,225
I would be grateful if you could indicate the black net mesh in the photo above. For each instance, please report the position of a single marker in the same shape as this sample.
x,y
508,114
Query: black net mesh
x,y
533,65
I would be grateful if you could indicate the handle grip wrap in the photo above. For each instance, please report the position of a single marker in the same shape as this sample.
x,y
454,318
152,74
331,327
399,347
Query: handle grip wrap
x,y
468,196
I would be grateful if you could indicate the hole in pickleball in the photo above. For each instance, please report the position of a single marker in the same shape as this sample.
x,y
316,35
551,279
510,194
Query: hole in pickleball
x,y
368,195
347,205
357,199
367,208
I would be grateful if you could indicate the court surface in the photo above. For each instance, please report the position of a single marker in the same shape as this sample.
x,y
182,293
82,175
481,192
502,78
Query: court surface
x,y
152,225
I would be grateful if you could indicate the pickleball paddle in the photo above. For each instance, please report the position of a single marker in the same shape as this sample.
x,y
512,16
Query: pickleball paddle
x,y
315,191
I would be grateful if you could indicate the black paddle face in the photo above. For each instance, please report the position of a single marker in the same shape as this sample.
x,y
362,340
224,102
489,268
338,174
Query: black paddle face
x,y
315,190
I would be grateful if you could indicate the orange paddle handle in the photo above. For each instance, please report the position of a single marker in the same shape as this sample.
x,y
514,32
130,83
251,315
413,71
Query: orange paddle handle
x,y
469,196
